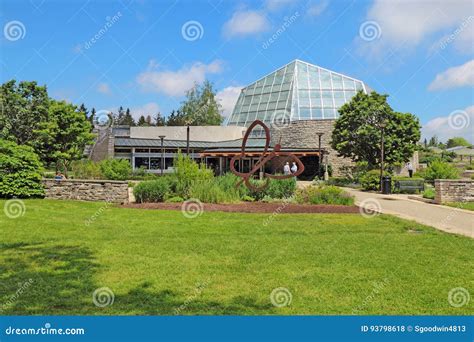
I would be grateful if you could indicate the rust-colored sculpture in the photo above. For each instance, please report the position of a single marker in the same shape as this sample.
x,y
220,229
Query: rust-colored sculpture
x,y
264,158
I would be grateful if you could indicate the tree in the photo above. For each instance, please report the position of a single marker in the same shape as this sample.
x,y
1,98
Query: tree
x,y
70,133
159,120
128,119
357,132
457,141
21,171
201,107
118,120
141,121
24,116
176,118
149,120
92,116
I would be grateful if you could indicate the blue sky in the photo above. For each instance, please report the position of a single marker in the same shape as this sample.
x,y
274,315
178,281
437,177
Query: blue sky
x,y
145,53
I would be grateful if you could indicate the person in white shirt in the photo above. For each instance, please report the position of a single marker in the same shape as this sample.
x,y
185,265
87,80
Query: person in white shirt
x,y
410,169
286,169
294,168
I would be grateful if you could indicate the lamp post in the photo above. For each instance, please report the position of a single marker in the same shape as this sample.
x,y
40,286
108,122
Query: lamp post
x,y
382,126
319,153
162,137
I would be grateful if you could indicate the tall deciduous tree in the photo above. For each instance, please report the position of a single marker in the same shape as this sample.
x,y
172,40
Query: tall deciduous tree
x,y
70,133
357,132
457,141
201,107
24,116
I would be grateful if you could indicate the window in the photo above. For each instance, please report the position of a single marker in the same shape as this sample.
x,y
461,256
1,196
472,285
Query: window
x,y
327,98
325,80
336,81
305,113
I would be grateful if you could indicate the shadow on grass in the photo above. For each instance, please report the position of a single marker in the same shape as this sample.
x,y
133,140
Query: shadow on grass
x,y
37,279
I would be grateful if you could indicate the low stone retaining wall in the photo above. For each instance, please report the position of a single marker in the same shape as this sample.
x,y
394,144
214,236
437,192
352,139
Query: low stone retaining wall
x,y
454,190
87,190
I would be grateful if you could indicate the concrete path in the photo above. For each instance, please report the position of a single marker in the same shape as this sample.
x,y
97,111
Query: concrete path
x,y
451,220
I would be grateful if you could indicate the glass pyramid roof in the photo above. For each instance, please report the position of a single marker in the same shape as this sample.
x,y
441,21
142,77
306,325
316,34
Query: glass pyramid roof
x,y
297,91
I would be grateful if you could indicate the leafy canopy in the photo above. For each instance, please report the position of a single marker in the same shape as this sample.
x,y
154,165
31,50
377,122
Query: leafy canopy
x,y
357,133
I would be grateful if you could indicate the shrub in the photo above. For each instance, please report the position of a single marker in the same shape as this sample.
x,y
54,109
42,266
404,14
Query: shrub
x,y
326,194
174,199
187,171
209,191
247,198
277,188
20,171
86,169
429,192
439,169
370,180
116,169
339,181
151,191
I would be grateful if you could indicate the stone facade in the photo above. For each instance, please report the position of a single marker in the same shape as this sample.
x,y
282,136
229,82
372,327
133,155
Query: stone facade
x,y
454,190
303,134
87,190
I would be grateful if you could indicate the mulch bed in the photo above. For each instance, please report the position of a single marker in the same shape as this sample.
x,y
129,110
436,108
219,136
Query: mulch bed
x,y
253,207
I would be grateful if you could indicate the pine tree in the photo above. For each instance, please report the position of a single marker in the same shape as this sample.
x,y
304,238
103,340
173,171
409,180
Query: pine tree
x,y
92,116
120,116
141,121
83,109
128,119
159,120
148,120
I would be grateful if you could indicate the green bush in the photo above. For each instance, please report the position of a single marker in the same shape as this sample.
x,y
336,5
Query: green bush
x,y
429,192
151,191
439,169
116,169
187,172
276,189
174,199
86,169
209,191
20,171
370,180
339,181
325,194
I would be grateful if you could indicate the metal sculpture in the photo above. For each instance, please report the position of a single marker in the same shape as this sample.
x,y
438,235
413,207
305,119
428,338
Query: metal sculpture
x,y
265,157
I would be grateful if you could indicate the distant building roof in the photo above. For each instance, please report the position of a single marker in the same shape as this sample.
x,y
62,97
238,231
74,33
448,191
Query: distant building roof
x,y
156,143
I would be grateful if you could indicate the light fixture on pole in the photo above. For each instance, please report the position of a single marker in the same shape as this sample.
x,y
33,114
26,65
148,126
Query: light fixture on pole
x,y
320,159
162,137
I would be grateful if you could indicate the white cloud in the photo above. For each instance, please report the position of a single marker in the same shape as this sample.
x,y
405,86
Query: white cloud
x,y
458,124
227,97
315,9
176,83
460,76
274,5
245,22
406,24
104,88
150,108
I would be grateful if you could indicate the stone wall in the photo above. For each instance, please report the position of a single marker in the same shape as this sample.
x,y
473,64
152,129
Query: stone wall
x,y
303,134
454,190
87,190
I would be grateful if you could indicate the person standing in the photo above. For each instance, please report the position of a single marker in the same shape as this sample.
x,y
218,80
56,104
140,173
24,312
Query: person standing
x,y
286,169
410,169
294,168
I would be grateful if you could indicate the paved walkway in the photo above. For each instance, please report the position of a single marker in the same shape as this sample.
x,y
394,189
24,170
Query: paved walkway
x,y
451,220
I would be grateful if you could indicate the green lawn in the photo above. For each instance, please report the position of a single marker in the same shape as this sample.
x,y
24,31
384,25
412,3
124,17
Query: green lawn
x,y
157,262
462,205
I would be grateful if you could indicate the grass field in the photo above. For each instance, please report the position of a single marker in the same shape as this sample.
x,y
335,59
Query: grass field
x,y
462,205
159,262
